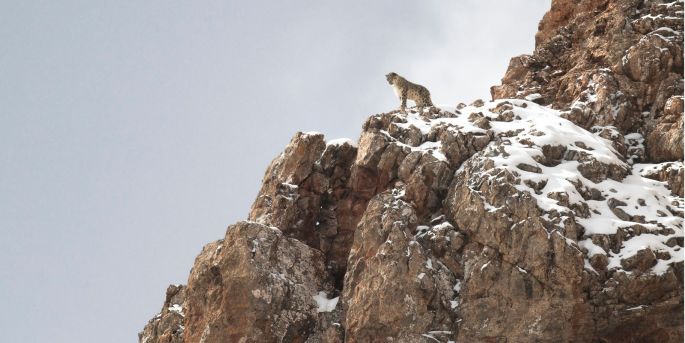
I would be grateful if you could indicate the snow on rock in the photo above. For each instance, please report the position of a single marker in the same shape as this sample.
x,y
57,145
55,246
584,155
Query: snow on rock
x,y
496,220
587,179
569,171
323,303
176,308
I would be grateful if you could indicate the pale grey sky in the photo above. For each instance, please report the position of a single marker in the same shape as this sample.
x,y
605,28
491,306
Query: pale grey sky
x,y
132,133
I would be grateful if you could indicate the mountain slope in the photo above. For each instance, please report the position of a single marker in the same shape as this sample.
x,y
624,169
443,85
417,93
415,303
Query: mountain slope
x,y
556,218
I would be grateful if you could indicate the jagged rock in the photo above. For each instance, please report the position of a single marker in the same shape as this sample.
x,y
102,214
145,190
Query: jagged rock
x,y
393,287
641,261
670,172
608,63
306,194
255,285
540,218
507,265
478,103
538,212
283,201
167,325
665,142
472,233
652,57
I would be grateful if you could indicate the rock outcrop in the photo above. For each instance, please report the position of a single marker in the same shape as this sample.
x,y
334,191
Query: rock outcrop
x,y
553,213
609,63
167,325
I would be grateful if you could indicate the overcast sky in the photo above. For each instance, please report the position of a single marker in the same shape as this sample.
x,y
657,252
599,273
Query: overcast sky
x,y
133,132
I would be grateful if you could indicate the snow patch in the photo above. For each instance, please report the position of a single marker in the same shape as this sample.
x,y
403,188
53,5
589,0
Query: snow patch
x,y
176,308
323,303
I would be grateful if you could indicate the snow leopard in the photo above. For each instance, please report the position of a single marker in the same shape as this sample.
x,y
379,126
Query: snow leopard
x,y
407,90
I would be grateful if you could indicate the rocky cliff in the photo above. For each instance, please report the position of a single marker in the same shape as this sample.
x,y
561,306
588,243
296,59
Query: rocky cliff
x,y
553,213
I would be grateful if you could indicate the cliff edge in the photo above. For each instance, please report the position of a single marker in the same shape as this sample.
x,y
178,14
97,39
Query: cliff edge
x,y
553,213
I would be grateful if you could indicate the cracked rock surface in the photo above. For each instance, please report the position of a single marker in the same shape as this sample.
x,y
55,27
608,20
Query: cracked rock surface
x,y
553,213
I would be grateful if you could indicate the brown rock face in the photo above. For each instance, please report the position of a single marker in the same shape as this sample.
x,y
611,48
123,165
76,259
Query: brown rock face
x,y
609,63
255,285
553,219
395,287
167,326
665,142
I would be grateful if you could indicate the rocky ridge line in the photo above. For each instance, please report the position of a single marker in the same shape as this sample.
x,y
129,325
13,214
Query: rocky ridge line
x,y
498,221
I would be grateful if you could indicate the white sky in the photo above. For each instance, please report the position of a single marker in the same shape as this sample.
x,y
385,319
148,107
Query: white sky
x,y
132,133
